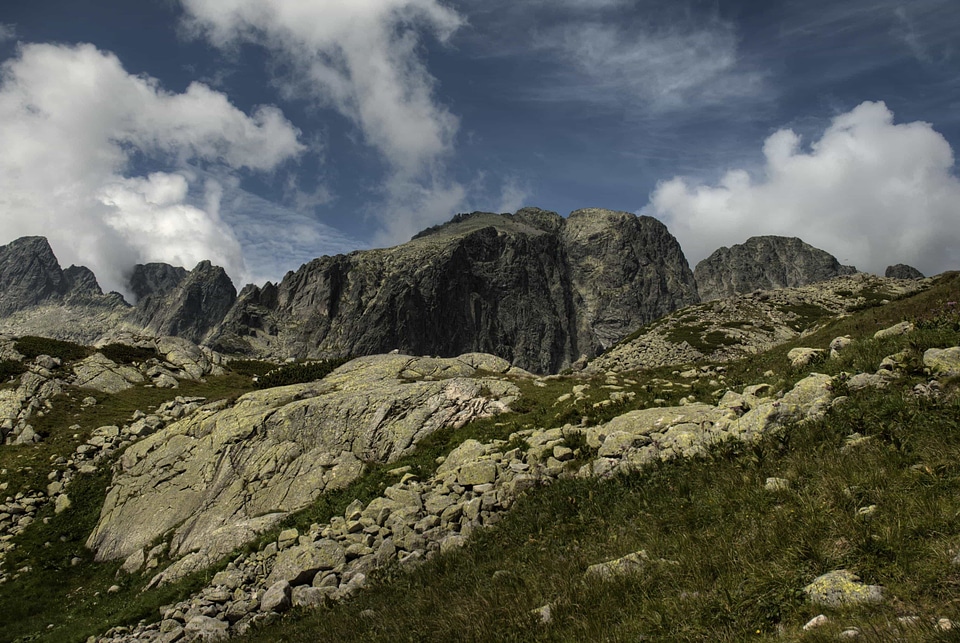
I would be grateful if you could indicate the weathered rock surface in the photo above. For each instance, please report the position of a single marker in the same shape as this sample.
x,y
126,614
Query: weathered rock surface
x,y
764,263
727,329
228,472
902,271
841,587
533,288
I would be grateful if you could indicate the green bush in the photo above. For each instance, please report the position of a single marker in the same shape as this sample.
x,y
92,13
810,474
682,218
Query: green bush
x,y
10,368
124,354
251,367
31,346
299,372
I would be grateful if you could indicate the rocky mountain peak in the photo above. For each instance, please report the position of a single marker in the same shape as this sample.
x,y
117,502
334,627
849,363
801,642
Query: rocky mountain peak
x,y
763,263
147,279
532,287
902,271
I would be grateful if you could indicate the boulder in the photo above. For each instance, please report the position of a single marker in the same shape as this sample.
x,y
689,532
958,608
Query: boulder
x,y
298,565
945,361
99,373
841,587
278,598
902,271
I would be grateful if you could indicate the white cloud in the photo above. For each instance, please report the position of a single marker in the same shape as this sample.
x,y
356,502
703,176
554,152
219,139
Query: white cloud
x,y
71,122
7,32
513,196
362,58
870,191
674,66
276,239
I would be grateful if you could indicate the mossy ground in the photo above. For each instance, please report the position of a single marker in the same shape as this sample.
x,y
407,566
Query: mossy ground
x,y
744,553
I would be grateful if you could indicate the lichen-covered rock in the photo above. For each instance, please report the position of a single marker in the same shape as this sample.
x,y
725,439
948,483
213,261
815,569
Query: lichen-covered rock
x,y
842,587
213,475
802,356
945,361
896,330
99,373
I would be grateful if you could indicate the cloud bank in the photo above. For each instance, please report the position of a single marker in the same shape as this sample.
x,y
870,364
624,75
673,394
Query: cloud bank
x,y
361,58
74,124
870,191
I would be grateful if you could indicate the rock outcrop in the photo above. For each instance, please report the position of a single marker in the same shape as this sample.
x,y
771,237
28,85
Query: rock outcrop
x,y
902,271
229,472
764,263
534,288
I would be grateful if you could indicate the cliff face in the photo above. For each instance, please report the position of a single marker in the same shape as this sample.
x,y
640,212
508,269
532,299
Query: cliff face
x,y
534,288
764,263
175,302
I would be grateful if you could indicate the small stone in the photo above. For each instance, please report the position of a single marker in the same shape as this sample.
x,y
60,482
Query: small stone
x,y
816,621
866,512
113,589
902,328
777,484
61,504
849,633
944,625
543,614
277,598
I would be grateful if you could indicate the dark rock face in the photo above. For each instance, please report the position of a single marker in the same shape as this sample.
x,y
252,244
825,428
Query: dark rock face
x,y
30,275
764,263
147,279
902,271
532,287
179,303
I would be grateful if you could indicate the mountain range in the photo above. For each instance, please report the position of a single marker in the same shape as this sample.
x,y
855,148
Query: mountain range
x,y
535,288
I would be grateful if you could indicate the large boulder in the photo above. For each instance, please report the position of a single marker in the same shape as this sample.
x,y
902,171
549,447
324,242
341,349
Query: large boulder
x,y
207,478
99,373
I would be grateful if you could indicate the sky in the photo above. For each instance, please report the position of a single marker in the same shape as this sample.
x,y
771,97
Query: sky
x,y
261,134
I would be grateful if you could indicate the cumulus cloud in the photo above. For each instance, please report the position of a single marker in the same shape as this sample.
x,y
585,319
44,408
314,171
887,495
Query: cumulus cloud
x,y
363,59
72,124
870,191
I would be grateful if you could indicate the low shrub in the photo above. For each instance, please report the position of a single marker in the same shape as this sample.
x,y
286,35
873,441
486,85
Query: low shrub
x,y
299,372
31,346
10,368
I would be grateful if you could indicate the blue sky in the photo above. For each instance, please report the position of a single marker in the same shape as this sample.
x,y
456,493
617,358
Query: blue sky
x,y
263,133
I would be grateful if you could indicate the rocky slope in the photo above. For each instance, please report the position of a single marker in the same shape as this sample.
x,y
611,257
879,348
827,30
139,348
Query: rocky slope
x,y
727,329
534,288
214,480
764,263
